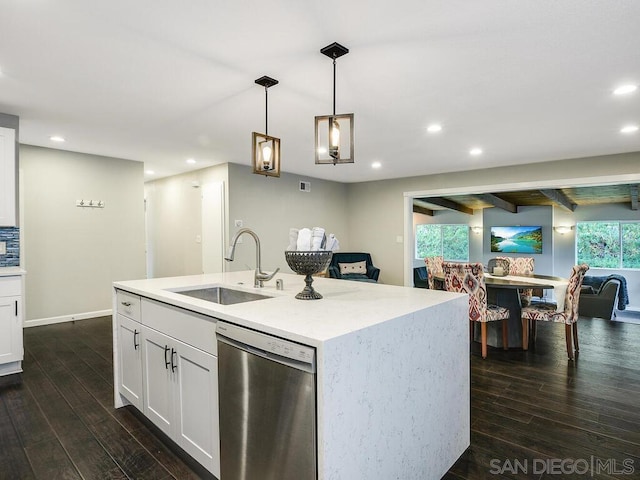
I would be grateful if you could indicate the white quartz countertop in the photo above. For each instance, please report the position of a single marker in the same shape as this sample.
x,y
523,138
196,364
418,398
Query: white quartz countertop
x,y
347,306
11,271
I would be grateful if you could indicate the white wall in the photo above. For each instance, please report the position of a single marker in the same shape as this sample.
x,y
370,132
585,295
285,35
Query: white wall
x,y
72,255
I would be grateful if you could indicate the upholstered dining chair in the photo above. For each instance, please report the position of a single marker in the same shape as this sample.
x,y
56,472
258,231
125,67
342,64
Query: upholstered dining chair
x,y
547,312
434,266
521,266
469,278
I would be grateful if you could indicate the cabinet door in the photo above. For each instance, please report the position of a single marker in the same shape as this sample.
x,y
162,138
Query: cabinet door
x,y
158,379
10,330
197,406
7,177
130,365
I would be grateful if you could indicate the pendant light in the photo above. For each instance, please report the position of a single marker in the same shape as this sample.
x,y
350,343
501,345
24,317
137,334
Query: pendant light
x,y
265,150
334,133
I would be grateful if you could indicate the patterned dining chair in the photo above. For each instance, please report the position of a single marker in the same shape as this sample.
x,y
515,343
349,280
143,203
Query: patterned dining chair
x,y
434,266
547,312
469,278
521,266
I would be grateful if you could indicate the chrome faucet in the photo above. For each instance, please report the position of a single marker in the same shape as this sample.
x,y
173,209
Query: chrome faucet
x,y
259,277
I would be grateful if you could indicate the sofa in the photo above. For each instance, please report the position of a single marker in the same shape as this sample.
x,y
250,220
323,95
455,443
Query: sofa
x,y
353,266
600,296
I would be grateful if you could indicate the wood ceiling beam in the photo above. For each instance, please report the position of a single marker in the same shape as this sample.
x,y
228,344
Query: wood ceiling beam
x,y
422,210
634,197
443,202
498,202
560,198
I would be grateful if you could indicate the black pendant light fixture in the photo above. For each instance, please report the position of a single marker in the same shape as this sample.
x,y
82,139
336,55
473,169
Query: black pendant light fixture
x,y
334,133
265,150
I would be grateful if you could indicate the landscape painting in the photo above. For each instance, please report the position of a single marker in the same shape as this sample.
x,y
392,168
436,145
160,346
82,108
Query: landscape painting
x,y
517,239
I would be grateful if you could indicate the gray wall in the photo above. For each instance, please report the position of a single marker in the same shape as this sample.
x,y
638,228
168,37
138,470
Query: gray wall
x,y
72,255
543,216
269,206
450,217
377,214
565,254
173,216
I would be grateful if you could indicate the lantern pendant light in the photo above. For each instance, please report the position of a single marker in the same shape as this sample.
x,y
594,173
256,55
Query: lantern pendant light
x,y
334,133
265,150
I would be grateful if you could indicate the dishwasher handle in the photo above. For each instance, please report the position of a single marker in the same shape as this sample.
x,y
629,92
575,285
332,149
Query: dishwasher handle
x,y
305,366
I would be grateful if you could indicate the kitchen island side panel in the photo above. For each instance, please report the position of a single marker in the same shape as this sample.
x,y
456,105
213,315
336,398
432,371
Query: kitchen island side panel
x,y
394,399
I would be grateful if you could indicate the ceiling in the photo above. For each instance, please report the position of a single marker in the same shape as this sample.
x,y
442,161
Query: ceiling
x,y
566,198
161,82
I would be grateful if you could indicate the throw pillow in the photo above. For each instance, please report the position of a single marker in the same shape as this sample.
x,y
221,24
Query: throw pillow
x,y
355,267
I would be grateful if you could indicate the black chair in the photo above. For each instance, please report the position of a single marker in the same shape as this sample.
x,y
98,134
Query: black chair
x,y
350,266
420,279
602,302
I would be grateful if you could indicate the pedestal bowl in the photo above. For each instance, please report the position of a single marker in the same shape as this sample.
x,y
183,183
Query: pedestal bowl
x,y
308,263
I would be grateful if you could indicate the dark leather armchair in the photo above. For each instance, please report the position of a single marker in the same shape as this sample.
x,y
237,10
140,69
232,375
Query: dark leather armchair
x,y
420,279
599,303
369,273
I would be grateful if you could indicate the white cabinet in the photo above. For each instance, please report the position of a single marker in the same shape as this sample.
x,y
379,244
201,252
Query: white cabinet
x,y
130,365
129,341
7,177
11,346
167,368
181,395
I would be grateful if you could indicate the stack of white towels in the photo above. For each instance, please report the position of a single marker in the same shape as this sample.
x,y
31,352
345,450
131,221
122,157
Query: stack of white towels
x,y
312,239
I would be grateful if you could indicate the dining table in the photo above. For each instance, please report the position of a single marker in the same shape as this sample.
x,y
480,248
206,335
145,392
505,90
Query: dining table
x,y
505,292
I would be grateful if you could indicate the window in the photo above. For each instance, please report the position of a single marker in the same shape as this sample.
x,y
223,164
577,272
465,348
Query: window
x,y
608,244
450,241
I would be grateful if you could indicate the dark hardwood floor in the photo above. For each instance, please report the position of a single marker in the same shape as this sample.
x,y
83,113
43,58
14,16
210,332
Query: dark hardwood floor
x,y
533,409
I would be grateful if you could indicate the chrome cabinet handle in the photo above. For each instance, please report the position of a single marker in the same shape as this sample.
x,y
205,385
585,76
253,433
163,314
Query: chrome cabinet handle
x,y
173,365
166,362
135,344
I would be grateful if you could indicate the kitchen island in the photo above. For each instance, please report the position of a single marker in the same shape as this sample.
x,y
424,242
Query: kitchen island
x,y
392,373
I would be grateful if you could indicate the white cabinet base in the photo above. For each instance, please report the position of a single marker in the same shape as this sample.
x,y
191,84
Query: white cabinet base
x,y
10,368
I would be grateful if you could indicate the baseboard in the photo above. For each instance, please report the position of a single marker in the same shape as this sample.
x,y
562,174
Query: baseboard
x,y
66,318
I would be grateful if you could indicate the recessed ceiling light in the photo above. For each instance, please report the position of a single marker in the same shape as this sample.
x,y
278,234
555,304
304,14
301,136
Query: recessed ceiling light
x,y
191,160
624,89
149,172
434,128
629,129
376,165
475,151
56,138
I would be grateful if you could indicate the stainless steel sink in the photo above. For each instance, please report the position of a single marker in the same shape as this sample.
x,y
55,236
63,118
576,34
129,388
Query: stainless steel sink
x,y
223,295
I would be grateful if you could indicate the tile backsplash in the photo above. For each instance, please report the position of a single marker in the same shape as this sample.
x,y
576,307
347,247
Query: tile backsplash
x,y
11,237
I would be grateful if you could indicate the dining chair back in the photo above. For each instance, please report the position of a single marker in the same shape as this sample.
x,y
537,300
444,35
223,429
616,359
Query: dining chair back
x,y
469,278
521,266
434,267
548,312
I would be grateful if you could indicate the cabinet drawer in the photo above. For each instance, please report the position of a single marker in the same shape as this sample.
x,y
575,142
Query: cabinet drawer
x,y
10,286
191,328
128,305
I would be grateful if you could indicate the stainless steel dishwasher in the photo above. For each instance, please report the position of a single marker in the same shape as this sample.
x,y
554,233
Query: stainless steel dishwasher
x,y
267,401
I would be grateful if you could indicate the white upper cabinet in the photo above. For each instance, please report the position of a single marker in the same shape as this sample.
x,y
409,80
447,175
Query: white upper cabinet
x,y
7,177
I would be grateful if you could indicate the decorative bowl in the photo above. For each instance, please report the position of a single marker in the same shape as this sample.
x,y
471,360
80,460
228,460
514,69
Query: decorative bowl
x,y
307,263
